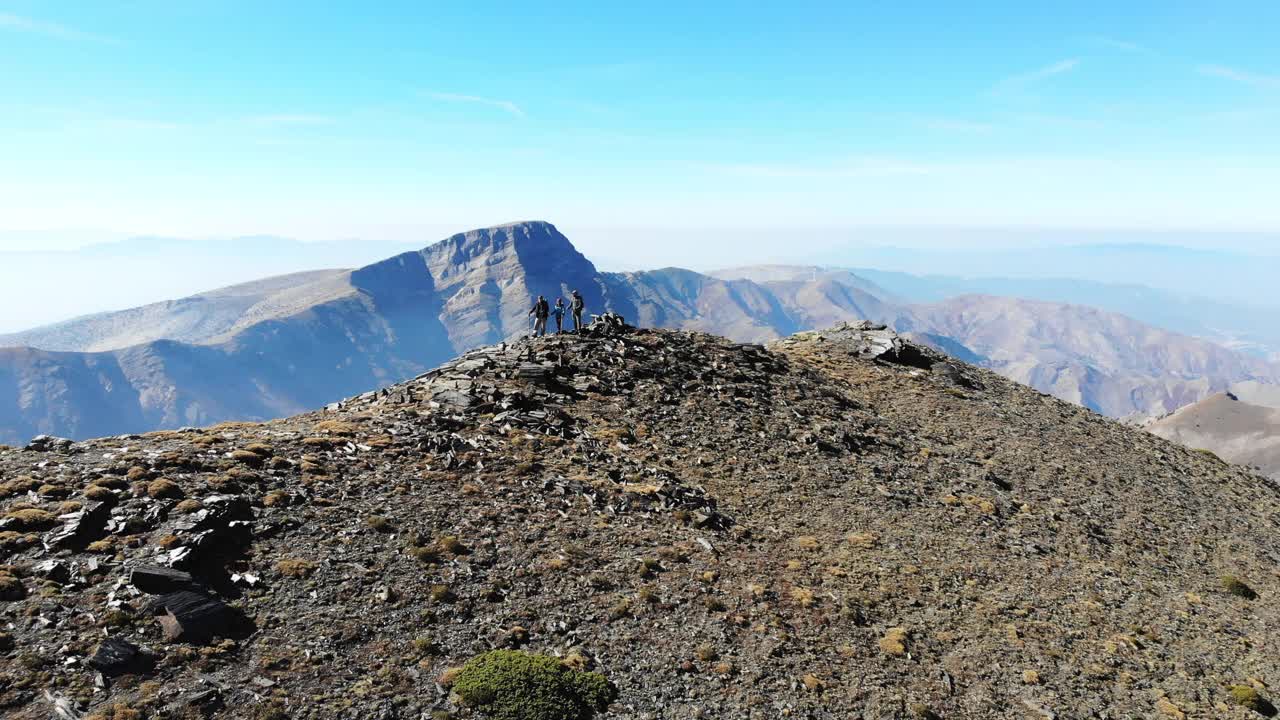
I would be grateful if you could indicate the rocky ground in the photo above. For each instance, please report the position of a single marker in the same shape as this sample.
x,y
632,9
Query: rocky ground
x,y
837,525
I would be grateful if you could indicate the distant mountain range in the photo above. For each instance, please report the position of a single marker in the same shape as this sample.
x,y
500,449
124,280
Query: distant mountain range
x,y
1174,261
286,344
1244,327
144,270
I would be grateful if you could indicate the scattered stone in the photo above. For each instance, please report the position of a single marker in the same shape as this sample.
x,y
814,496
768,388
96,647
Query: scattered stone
x,y
48,443
54,570
115,656
81,527
193,617
155,580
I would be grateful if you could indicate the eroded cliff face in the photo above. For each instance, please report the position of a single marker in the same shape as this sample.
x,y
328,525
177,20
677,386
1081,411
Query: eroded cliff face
x,y
489,278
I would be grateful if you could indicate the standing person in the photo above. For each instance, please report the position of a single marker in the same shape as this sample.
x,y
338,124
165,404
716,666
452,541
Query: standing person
x,y
558,312
576,305
540,311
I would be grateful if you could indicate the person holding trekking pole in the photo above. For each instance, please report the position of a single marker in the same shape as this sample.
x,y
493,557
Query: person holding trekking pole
x,y
540,311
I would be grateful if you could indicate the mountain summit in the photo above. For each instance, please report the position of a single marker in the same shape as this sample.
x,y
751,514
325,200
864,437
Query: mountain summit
x,y
838,524
276,348
286,345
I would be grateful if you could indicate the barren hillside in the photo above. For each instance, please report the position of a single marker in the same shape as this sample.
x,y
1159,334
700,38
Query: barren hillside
x,y
836,525
1238,431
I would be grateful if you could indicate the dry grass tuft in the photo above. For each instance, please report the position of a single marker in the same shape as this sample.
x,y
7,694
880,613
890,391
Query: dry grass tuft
x,y
164,489
31,519
295,567
803,597
894,642
98,493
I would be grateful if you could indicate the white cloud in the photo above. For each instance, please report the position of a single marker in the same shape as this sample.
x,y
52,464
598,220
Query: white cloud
x,y
1241,76
32,26
953,125
855,167
504,105
1024,80
1123,45
290,120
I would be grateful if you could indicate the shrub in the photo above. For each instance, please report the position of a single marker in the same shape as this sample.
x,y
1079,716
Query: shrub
x,y
164,489
18,485
803,597
12,541
423,554
112,483
1236,586
894,642
808,542
512,685
11,588
1245,696
98,492
1211,455
450,544
31,519
295,567
252,459
260,449
276,497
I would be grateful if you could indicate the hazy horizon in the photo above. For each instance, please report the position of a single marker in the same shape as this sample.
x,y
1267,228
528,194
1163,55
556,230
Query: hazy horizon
x,y
39,287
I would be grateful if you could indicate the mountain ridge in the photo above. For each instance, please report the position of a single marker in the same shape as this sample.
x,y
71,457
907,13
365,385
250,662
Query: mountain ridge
x,y
283,345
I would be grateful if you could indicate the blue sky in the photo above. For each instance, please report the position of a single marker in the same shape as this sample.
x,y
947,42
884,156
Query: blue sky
x,y
404,120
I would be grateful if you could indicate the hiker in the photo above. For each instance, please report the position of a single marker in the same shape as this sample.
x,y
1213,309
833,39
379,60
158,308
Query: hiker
x,y
576,306
558,312
540,311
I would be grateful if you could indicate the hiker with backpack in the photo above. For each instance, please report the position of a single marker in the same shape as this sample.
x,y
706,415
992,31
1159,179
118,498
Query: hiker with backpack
x,y
558,312
575,306
540,311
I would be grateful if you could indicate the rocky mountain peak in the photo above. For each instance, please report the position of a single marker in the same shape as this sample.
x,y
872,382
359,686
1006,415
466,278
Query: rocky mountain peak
x,y
839,523
537,246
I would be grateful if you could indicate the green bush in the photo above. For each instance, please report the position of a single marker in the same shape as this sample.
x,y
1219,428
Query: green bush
x,y
1246,696
1237,587
511,685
